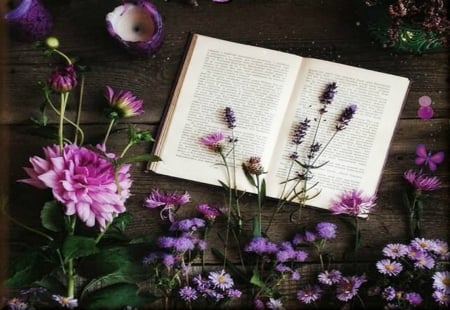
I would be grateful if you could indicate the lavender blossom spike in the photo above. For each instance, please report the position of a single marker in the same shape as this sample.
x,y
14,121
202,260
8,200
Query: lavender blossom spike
x,y
346,116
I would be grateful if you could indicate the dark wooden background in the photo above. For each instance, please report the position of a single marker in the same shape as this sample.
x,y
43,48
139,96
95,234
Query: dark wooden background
x,y
326,29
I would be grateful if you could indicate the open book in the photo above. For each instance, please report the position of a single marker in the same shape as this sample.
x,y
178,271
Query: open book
x,y
269,92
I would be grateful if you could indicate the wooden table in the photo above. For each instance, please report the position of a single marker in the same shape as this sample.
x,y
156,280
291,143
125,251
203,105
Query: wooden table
x,y
327,29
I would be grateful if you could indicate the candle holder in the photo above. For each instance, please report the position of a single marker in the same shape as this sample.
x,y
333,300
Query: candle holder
x,y
137,26
29,21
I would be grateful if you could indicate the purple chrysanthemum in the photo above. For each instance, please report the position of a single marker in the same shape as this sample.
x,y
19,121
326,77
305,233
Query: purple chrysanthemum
x,y
221,279
326,230
388,267
346,116
188,293
421,181
353,203
169,201
85,182
300,131
309,294
330,277
66,302
213,141
348,287
63,79
395,250
123,103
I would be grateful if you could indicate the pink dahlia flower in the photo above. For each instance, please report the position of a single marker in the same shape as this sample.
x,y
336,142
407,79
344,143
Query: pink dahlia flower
x,y
83,180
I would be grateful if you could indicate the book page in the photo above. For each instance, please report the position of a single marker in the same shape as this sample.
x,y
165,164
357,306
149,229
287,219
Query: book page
x,y
354,158
255,82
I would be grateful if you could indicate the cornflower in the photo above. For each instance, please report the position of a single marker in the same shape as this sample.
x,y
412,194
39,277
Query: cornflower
x,y
213,141
421,182
169,201
210,213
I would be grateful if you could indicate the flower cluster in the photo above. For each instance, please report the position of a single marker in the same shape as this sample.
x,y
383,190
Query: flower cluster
x,y
414,274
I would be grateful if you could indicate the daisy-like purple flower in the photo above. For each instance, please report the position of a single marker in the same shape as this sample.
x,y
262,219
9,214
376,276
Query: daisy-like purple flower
x,y
353,203
188,293
86,183
210,213
425,245
395,250
122,103
63,79
66,302
345,118
326,230
16,304
424,260
169,202
389,293
309,294
441,281
441,249
213,141
422,182
441,297
330,277
275,304
388,267
234,293
221,279
413,298
348,287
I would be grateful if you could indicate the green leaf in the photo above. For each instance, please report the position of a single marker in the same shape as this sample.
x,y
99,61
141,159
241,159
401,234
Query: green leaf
x,y
139,158
256,227
52,216
249,177
115,296
256,279
78,246
107,280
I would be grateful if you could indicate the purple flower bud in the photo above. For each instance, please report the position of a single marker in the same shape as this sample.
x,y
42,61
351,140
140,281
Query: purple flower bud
x,y
63,79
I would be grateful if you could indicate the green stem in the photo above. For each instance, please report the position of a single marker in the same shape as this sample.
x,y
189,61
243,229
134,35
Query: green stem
x,y
64,97
230,195
260,198
63,56
80,104
125,150
70,267
108,132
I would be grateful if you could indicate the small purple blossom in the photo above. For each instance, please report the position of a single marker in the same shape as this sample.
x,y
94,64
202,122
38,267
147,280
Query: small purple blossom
x,y
210,213
395,250
261,245
330,277
186,225
230,118
353,203
389,293
122,103
309,294
17,304
66,302
441,281
413,298
213,141
346,116
275,304
183,244
188,293
442,298
253,166
326,230
422,182
424,260
221,279
388,267
234,293
348,287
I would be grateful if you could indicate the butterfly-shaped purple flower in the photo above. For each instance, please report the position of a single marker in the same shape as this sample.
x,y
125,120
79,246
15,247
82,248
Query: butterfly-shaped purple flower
x,y
427,158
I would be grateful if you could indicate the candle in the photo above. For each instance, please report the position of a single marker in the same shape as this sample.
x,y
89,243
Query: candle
x,y
137,26
29,21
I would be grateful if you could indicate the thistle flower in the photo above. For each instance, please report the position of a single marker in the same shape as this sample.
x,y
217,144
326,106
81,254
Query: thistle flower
x,y
327,96
346,116
122,104
230,118
253,166
421,182
210,213
63,79
353,203
326,230
213,141
86,183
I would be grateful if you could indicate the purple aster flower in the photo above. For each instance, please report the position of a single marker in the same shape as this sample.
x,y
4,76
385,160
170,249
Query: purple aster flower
x,y
389,293
253,166
85,182
258,304
326,230
309,294
353,203
345,118
221,279
348,287
414,298
275,304
169,201
210,213
66,302
422,182
63,79
213,141
230,117
441,281
300,131
17,304
395,250
425,245
330,277
441,249
188,293
388,267
327,96
122,103
424,260
441,297
234,293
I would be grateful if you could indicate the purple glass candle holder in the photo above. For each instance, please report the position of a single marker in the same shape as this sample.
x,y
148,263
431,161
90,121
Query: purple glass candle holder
x,y
137,26
29,21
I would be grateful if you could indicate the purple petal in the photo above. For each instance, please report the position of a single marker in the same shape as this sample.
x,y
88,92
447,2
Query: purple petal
x,y
425,112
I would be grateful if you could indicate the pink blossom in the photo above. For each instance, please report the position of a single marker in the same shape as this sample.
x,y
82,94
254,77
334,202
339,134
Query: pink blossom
x,y
123,103
353,203
83,180
213,140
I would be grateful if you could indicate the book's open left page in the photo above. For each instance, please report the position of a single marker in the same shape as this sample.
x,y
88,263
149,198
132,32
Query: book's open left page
x,y
355,157
255,82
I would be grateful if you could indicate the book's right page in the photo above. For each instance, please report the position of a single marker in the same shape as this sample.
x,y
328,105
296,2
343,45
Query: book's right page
x,y
352,158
